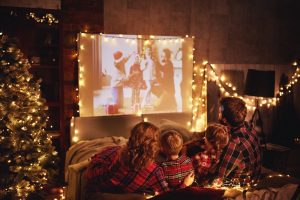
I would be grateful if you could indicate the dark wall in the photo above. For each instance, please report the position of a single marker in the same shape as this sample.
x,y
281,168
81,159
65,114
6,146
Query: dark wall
x,y
227,31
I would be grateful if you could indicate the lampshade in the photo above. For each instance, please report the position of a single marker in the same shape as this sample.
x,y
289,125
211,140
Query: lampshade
x,y
260,83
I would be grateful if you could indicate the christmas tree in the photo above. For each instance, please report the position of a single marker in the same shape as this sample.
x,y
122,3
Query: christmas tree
x,y
27,157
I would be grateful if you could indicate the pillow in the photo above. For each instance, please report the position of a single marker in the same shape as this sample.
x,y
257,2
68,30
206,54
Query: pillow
x,y
166,125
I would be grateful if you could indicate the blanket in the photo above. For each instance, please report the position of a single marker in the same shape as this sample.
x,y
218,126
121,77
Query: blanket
x,y
77,159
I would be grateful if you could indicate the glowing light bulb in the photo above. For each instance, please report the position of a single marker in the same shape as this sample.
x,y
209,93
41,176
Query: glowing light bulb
x,y
204,62
75,139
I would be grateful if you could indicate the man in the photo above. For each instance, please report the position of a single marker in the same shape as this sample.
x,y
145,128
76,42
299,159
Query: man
x,y
118,77
240,161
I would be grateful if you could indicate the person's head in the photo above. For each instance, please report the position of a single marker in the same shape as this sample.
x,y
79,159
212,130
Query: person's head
x,y
232,111
171,143
142,146
118,56
137,59
216,136
166,55
148,52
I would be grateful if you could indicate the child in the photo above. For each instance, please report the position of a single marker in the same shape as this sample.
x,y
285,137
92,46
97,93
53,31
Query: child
x,y
136,82
206,151
177,166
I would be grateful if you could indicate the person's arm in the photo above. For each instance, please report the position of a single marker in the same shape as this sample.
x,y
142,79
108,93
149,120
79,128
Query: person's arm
x,y
102,162
158,182
230,160
188,180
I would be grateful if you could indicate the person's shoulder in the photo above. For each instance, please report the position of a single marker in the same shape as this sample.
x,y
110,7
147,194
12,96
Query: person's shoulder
x,y
185,159
155,168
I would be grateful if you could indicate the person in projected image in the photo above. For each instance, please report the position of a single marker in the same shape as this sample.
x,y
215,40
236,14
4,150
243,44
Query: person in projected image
x,y
136,82
118,77
167,99
148,68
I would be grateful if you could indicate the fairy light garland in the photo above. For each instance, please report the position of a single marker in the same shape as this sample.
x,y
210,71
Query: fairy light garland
x,y
48,17
201,74
228,89
288,87
197,102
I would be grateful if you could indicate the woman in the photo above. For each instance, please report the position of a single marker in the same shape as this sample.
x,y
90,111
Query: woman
x,y
131,168
148,68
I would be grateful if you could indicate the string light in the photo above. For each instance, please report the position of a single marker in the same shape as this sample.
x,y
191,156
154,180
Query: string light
x,y
228,89
202,73
49,18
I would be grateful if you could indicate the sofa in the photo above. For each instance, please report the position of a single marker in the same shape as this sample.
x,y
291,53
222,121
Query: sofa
x,y
95,133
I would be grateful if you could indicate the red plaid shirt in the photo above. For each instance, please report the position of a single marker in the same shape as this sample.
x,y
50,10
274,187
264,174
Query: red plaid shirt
x,y
106,174
176,170
204,161
241,158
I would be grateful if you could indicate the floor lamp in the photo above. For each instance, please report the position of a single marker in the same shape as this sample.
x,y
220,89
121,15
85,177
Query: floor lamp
x,y
259,84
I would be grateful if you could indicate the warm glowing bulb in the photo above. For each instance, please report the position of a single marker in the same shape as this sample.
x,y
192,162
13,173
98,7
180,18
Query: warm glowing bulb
x,y
295,63
139,113
222,78
75,139
204,62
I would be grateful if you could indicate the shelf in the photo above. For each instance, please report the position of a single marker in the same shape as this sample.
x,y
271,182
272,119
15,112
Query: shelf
x,y
54,134
53,104
41,66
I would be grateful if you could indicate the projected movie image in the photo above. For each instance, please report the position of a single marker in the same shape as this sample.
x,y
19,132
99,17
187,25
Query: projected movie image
x,y
137,74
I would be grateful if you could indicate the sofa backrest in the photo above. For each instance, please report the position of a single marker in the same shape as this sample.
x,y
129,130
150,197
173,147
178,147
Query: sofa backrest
x,y
88,128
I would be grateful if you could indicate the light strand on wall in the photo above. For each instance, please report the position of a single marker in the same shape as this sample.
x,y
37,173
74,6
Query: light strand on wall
x,y
201,72
288,87
198,100
228,89
197,104
48,17
108,38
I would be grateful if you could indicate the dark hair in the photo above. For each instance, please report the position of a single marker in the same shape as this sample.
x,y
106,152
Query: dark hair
x,y
171,142
234,110
142,146
217,135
